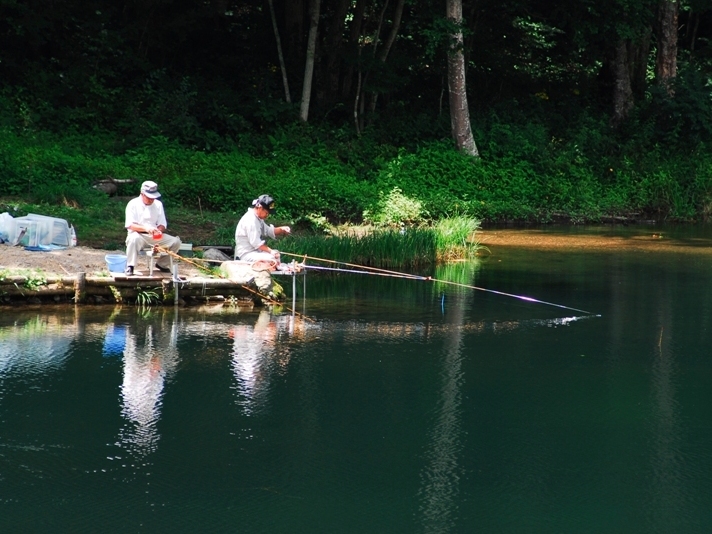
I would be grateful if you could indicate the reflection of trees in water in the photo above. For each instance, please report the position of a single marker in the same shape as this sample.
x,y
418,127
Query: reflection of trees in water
x,y
36,346
150,358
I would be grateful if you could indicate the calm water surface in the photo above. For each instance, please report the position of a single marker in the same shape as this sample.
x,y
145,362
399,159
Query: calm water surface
x,y
398,406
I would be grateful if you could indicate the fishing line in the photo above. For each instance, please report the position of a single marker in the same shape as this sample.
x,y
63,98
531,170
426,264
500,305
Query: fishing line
x,y
395,274
520,297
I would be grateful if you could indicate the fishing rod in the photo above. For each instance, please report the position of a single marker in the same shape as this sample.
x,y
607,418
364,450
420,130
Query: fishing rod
x,y
366,267
243,286
354,271
384,272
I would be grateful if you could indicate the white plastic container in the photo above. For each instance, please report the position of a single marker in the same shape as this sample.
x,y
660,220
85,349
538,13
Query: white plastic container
x,y
49,230
26,233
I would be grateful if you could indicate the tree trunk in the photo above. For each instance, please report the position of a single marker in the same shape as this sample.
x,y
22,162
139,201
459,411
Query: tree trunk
x,y
638,53
364,78
314,8
459,111
383,54
666,60
334,45
622,90
397,16
354,44
294,31
282,66
695,28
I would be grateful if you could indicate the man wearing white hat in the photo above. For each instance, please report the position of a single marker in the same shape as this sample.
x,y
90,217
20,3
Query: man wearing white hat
x,y
145,223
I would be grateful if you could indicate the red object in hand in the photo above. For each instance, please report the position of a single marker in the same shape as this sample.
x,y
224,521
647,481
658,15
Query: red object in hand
x,y
158,235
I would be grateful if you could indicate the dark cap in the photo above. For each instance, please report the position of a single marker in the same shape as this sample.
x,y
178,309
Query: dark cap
x,y
266,201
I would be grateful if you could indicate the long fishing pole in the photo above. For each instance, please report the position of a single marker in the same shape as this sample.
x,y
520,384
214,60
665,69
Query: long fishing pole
x,y
355,271
385,272
243,286
366,267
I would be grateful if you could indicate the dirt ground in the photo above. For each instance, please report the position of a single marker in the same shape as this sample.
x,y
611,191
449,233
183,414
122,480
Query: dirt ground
x,y
73,260
91,261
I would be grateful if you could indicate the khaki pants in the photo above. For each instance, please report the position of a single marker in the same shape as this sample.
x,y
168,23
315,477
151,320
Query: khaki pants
x,y
136,241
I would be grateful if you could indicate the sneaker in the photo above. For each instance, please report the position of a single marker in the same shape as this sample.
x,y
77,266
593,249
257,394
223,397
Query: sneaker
x,y
129,271
163,269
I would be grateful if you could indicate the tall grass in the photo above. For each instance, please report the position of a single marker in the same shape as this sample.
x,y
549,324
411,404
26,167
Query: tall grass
x,y
455,238
389,248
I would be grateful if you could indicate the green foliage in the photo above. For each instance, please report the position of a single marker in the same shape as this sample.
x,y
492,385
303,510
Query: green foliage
x,y
455,237
395,209
683,119
530,170
386,248
146,297
391,248
124,93
34,278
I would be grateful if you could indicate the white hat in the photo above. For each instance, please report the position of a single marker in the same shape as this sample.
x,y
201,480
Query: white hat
x,y
150,189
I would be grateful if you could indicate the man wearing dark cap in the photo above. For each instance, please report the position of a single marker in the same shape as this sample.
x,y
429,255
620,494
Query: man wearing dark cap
x,y
145,223
252,230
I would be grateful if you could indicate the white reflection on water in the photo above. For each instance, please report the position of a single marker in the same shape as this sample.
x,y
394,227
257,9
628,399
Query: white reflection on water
x,y
150,358
356,330
440,477
254,359
669,491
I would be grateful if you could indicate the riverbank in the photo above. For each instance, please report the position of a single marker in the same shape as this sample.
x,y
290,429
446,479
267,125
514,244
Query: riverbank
x,y
80,274
91,260
74,260
594,239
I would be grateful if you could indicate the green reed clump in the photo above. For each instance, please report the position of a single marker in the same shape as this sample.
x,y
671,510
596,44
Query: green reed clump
x,y
392,248
380,248
456,237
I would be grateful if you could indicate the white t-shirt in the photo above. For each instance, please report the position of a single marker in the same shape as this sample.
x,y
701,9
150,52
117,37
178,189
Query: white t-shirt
x,y
139,213
249,233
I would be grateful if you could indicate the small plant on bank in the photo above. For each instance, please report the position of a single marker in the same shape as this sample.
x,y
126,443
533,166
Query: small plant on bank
x,y
146,297
117,294
34,279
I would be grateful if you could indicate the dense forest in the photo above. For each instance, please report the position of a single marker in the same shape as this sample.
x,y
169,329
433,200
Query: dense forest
x,y
520,110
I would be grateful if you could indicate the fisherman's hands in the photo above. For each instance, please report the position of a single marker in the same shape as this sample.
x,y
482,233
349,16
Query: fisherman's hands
x,y
156,233
275,254
284,230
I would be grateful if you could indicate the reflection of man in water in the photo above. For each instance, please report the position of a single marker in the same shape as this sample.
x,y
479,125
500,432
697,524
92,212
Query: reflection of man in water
x,y
251,362
147,364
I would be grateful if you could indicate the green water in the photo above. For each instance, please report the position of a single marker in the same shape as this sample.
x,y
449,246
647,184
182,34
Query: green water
x,y
396,407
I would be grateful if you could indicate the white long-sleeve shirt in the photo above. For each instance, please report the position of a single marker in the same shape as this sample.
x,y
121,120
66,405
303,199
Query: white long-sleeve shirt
x,y
149,214
250,233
